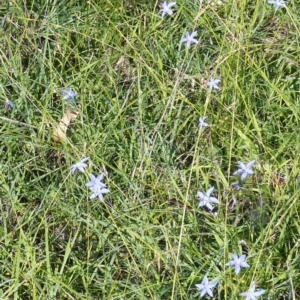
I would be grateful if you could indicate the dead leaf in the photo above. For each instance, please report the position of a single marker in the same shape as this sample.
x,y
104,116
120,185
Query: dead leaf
x,y
60,132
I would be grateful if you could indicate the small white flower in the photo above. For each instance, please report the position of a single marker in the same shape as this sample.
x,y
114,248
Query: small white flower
x,y
206,200
166,8
97,187
206,286
189,39
277,3
80,166
96,181
214,83
245,170
202,122
238,263
69,94
252,294
98,191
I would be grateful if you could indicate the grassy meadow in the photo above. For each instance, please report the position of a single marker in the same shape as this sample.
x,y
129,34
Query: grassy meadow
x,y
140,94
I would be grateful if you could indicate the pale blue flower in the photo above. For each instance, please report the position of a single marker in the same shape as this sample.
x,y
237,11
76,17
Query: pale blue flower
x,y
206,200
238,263
206,287
96,180
69,94
277,3
245,170
8,105
166,8
202,122
214,83
189,39
80,166
97,187
252,294
98,191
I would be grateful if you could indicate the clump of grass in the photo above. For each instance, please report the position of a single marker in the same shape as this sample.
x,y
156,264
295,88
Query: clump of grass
x,y
140,96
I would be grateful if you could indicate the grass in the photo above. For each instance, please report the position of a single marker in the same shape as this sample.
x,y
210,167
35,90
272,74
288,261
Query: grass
x,y
140,95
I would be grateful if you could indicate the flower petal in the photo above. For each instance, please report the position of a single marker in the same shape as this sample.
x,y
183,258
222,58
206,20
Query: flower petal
x,y
242,165
214,200
200,195
237,269
259,293
210,191
251,163
209,206
244,175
